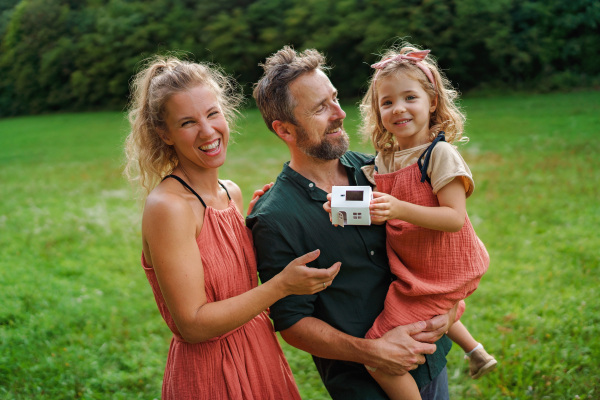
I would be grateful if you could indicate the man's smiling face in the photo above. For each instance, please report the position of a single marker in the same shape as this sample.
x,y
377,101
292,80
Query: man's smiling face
x,y
319,129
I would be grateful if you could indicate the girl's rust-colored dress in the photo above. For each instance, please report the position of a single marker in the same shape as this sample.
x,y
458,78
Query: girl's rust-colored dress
x,y
246,363
435,269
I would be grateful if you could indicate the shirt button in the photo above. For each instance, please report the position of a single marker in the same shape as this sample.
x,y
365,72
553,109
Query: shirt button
x,y
372,253
311,184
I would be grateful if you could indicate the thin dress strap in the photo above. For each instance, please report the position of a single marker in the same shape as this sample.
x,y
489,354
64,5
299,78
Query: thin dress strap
x,y
188,187
423,165
226,191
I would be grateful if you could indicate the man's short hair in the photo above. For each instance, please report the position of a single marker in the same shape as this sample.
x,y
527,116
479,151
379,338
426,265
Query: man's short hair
x,y
272,92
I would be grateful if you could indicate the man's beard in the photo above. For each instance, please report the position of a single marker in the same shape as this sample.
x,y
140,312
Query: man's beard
x,y
326,149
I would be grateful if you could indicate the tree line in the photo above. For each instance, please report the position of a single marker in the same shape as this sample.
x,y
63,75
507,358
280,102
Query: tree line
x,y
80,54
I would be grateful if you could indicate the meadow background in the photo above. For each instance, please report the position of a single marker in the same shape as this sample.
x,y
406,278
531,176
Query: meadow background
x,y
78,319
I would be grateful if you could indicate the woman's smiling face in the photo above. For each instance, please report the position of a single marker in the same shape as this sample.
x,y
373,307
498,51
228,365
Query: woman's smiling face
x,y
196,127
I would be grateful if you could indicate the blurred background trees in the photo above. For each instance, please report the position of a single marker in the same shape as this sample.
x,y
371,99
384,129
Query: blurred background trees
x,y
80,54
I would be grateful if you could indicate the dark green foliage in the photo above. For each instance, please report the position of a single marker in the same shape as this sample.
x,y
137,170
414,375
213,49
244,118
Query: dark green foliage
x,y
78,55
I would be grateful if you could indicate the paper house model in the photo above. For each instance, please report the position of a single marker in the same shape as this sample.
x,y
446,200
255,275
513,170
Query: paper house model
x,y
350,205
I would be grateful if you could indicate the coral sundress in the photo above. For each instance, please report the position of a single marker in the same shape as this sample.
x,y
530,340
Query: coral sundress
x,y
435,269
246,363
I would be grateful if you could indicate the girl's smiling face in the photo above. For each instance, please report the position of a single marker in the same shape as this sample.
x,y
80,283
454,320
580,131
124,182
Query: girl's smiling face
x,y
197,128
405,109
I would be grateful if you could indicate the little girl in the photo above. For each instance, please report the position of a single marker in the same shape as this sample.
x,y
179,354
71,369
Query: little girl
x,y
422,181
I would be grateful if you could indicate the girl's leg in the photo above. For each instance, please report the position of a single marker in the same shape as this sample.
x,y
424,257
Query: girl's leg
x,y
397,387
480,362
459,334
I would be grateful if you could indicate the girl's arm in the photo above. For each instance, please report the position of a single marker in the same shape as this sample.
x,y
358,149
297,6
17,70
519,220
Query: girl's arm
x,y
169,231
448,217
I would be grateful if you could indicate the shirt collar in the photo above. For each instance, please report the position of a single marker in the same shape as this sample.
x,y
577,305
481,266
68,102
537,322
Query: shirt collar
x,y
309,186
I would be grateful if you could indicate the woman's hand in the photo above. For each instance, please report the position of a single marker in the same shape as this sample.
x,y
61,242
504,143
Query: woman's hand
x,y
256,195
297,278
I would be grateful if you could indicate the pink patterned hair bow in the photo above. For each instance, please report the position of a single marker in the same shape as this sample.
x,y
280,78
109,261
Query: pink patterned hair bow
x,y
414,58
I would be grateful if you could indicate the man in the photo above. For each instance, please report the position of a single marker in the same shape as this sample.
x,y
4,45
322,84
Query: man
x,y
299,104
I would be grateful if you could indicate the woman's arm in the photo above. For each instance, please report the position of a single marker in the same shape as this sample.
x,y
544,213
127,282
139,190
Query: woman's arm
x,y
449,216
169,230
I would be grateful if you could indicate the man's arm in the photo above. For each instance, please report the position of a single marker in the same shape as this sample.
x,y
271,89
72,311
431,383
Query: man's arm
x,y
396,352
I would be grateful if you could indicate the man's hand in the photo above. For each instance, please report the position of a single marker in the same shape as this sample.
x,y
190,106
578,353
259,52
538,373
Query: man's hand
x,y
436,327
327,206
397,352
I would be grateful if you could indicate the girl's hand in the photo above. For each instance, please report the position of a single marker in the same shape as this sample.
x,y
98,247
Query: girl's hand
x,y
256,195
297,278
384,207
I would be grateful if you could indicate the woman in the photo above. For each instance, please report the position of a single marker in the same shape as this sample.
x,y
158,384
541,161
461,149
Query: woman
x,y
197,254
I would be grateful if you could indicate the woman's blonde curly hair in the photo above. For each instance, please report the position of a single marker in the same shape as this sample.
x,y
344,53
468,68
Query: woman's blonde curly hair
x,y
149,158
447,116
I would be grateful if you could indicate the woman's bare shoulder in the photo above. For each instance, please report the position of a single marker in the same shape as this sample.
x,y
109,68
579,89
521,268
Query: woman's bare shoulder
x,y
234,191
165,202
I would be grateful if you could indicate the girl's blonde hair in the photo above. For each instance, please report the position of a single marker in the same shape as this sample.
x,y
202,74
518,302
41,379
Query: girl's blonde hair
x,y
149,158
447,116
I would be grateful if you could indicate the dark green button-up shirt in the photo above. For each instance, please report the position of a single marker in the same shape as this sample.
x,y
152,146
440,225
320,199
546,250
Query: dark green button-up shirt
x,y
289,221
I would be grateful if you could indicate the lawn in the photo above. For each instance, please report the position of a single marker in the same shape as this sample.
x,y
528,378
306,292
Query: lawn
x,y
78,319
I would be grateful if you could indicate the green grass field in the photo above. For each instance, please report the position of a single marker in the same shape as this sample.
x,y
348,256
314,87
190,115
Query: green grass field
x,y
78,319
